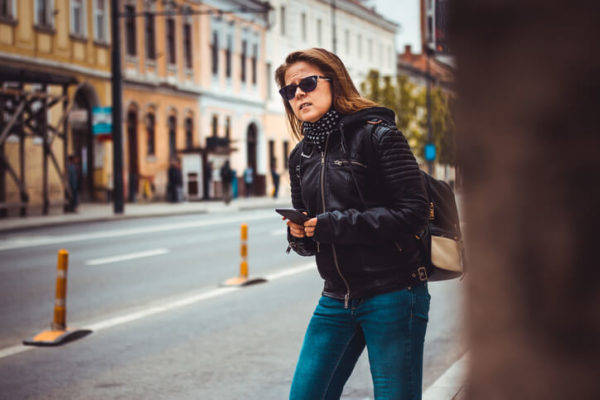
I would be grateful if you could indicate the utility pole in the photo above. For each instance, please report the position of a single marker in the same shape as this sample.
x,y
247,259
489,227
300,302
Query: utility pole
x,y
334,28
428,53
117,112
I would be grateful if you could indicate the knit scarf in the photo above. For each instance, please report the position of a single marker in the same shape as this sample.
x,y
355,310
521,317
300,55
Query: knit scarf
x,y
315,133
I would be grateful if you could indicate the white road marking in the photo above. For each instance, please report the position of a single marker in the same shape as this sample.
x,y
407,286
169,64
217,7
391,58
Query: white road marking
x,y
279,232
125,257
32,241
168,306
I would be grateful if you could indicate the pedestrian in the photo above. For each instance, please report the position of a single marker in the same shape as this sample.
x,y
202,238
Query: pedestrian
x,y
174,183
226,176
208,179
248,179
73,177
355,176
275,178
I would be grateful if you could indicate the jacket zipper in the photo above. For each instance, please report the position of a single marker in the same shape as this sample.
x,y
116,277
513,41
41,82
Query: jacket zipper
x,y
339,163
335,259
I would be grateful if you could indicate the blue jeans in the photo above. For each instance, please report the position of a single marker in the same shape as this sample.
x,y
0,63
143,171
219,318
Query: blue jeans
x,y
391,325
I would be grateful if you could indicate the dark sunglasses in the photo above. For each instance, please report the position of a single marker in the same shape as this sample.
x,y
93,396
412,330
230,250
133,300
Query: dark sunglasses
x,y
307,84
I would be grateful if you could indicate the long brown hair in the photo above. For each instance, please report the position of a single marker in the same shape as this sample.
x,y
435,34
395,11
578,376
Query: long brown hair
x,y
346,98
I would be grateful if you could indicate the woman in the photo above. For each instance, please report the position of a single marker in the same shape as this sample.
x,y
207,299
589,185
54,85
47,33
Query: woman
x,y
353,173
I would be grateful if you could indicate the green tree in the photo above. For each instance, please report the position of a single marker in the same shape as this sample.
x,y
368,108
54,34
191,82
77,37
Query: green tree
x,y
442,126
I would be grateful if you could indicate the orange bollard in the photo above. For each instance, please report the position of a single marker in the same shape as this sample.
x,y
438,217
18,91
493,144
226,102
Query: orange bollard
x,y
244,251
60,301
242,279
58,333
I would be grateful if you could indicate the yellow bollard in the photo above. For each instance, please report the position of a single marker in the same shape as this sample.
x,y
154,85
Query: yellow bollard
x,y
242,279
60,301
58,333
244,251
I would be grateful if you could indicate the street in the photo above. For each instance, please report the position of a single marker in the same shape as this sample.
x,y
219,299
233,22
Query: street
x,y
162,326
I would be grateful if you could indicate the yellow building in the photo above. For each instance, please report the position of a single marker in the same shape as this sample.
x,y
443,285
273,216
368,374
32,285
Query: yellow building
x,y
61,52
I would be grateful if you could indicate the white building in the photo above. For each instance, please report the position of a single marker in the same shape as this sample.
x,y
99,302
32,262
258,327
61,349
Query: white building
x,y
363,39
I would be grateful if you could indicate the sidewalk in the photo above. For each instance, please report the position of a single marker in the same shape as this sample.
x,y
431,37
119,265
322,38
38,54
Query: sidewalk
x,y
92,212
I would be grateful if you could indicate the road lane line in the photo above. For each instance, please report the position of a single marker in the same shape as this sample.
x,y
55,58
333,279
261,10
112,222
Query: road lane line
x,y
9,351
279,232
126,257
32,241
169,306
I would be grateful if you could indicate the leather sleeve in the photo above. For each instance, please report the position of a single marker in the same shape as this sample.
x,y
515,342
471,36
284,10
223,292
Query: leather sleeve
x,y
303,246
406,211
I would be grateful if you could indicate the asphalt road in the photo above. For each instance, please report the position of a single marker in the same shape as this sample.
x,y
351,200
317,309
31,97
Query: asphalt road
x,y
162,326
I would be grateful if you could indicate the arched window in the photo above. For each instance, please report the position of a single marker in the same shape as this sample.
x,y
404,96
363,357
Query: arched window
x,y
172,127
150,133
189,132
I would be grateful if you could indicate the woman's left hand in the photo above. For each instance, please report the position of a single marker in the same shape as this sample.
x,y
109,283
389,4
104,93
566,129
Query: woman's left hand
x,y
309,227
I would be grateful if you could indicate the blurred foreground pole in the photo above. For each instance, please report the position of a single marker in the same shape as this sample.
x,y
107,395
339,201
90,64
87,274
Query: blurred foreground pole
x,y
529,141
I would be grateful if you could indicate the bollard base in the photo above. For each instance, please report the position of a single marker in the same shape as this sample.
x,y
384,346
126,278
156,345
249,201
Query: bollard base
x,y
56,337
242,281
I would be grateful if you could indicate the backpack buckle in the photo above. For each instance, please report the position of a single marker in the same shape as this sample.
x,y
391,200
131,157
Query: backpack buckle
x,y
422,274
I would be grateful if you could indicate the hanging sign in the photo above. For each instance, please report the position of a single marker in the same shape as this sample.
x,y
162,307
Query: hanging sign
x,y
101,120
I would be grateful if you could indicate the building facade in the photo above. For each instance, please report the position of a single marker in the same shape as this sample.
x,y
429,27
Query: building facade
x,y
362,38
61,50
192,92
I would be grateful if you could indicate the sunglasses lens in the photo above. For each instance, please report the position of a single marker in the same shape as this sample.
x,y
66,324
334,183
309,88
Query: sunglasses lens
x,y
308,84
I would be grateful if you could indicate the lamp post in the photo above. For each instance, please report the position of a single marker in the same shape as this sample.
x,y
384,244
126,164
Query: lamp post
x,y
428,53
117,112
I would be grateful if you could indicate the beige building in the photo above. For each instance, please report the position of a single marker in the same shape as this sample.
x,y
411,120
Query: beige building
x,y
193,92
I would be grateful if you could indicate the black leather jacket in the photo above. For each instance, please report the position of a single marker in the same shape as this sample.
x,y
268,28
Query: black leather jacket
x,y
366,190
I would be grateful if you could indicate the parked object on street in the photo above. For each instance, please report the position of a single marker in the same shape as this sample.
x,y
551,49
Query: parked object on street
x,y
58,333
366,251
242,279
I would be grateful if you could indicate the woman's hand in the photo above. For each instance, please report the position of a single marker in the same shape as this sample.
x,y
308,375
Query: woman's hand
x,y
295,229
309,227
299,231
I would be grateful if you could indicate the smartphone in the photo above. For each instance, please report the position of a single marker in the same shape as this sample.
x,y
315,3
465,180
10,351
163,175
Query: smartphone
x,y
293,215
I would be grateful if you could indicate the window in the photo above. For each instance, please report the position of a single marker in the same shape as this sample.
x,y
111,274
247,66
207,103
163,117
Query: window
x,y
228,127
44,15
243,59
171,54
7,10
282,22
272,163
189,133
150,132
303,26
187,44
78,26
150,40
228,57
130,36
215,53
253,62
347,40
269,81
319,29
359,45
172,127
215,125
100,21
286,153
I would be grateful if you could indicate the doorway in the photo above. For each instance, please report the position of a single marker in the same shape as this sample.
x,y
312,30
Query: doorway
x,y
132,142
